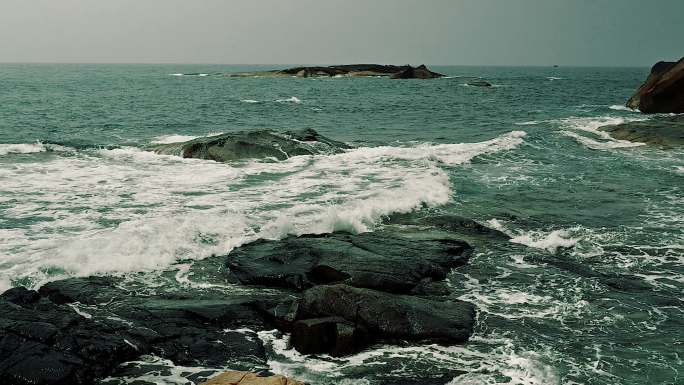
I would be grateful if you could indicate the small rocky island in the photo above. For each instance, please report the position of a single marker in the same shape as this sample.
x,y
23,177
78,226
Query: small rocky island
x,y
349,70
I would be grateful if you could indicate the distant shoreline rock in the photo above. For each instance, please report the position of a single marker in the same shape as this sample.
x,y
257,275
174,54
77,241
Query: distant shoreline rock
x,y
663,91
349,70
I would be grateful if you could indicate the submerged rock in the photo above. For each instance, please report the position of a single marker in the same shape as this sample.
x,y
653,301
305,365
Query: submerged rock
x,y
661,131
354,70
663,90
340,319
376,260
248,378
253,144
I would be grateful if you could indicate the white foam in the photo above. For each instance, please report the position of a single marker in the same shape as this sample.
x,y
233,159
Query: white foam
x,y
485,359
292,99
177,138
127,210
249,101
591,125
552,78
619,107
528,123
550,241
29,148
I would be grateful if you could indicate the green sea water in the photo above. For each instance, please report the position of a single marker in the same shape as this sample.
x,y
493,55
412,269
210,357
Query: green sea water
x,y
588,290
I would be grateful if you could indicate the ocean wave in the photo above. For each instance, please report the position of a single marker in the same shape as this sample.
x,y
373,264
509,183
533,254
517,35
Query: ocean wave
x,y
29,148
249,101
553,78
292,99
148,211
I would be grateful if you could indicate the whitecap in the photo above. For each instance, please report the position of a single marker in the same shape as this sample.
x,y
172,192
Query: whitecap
x,y
619,107
29,148
591,126
553,78
179,138
292,99
249,101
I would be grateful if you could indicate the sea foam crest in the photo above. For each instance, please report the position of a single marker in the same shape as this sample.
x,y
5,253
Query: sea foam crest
x,y
601,140
29,148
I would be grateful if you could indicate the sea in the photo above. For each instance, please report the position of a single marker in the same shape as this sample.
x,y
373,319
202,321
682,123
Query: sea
x,y
588,290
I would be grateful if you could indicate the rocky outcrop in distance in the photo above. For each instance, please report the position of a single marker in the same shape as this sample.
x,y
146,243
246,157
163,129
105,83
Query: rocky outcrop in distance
x,y
253,144
663,91
351,70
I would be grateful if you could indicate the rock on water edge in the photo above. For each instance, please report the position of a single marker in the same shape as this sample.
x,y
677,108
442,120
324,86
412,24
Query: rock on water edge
x,y
663,90
253,144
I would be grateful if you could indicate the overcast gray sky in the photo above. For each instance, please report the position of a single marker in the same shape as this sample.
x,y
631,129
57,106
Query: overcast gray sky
x,y
491,32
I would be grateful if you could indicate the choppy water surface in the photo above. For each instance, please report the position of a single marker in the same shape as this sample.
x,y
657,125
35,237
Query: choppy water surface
x,y
588,291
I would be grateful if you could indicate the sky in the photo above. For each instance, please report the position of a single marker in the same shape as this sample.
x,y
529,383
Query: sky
x,y
458,32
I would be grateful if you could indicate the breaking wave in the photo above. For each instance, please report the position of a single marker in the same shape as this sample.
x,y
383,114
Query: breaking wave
x,y
126,210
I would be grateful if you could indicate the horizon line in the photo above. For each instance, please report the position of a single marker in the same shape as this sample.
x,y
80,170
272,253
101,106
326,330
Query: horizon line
x,y
327,64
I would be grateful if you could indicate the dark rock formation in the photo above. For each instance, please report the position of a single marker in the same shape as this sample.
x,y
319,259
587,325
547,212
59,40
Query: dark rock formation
x,y
420,72
351,315
665,131
46,339
663,90
377,260
44,343
253,144
355,70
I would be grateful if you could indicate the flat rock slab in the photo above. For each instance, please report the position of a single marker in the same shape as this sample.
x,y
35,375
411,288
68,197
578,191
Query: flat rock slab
x,y
253,144
377,260
661,131
378,316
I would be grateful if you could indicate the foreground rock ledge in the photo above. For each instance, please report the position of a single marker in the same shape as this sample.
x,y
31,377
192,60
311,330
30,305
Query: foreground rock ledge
x,y
248,378
663,90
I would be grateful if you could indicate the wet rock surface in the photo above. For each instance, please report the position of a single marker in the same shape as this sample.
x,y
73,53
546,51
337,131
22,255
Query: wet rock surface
x,y
376,260
665,131
76,330
336,294
663,90
374,315
253,144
